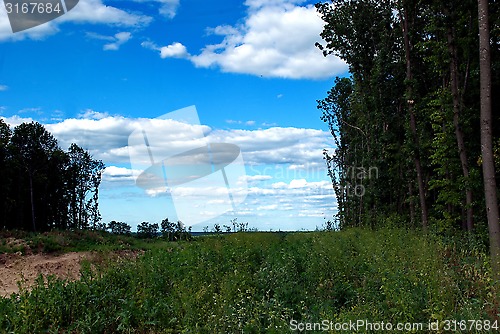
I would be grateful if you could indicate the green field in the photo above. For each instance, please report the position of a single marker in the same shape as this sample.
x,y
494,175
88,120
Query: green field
x,y
260,282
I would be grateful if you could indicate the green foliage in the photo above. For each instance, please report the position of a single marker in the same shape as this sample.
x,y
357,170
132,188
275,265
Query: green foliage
x,y
70,241
84,178
119,227
425,124
258,282
43,187
147,230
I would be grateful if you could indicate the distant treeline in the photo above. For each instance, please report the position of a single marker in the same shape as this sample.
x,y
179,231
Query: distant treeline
x,y
44,187
167,229
172,231
410,110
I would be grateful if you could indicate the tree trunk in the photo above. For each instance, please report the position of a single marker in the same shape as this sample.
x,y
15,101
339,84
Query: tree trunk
x,y
413,122
486,139
458,131
32,203
412,206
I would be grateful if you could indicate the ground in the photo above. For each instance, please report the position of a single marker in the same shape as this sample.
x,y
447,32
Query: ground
x,y
15,267
27,265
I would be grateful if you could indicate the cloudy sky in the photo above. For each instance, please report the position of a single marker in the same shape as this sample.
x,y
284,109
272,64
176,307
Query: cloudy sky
x,y
107,70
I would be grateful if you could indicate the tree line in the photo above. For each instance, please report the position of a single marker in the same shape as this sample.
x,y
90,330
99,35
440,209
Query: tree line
x,y
417,106
44,187
168,230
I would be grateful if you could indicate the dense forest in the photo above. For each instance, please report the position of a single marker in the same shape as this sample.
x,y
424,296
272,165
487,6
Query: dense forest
x,y
44,187
416,142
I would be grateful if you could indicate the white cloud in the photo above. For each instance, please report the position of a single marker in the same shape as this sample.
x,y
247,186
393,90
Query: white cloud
x,y
15,120
94,11
94,35
114,172
107,136
277,145
114,41
92,114
297,149
168,8
119,39
37,110
3,87
248,123
256,178
86,11
257,4
286,174
302,183
174,50
275,41
268,207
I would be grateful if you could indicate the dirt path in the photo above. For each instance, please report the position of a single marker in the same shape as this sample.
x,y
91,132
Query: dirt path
x,y
13,267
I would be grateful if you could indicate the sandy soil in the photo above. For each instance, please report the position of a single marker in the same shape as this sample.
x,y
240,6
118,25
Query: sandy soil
x,y
15,267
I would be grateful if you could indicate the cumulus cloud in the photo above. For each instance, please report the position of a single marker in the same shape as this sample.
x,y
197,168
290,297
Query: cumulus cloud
x,y
107,138
285,172
15,120
86,11
276,39
276,145
92,114
120,174
174,50
94,11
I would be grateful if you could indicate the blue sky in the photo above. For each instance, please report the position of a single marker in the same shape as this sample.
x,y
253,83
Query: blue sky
x,y
250,68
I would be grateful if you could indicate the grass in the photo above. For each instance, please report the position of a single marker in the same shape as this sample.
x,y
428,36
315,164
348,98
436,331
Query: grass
x,y
259,282
72,241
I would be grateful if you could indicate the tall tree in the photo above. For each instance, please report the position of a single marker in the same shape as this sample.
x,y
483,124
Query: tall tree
x,y
57,190
336,108
457,110
490,188
5,184
33,146
84,180
407,18
367,35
